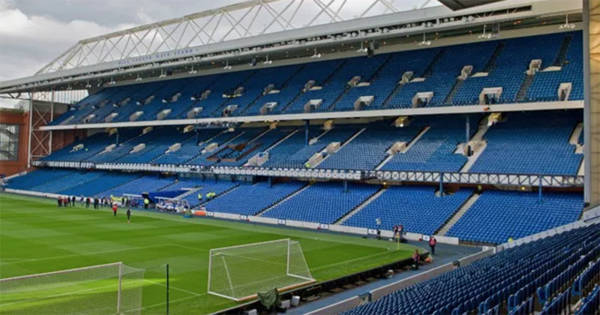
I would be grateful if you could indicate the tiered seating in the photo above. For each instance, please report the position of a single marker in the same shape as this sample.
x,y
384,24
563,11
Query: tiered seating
x,y
32,179
100,184
444,71
322,202
297,154
545,83
499,215
416,208
249,199
510,276
368,149
509,69
206,186
194,145
439,66
255,87
72,179
435,149
85,149
149,183
531,143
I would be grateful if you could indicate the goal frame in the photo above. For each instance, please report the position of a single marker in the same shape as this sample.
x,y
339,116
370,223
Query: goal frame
x,y
254,296
119,264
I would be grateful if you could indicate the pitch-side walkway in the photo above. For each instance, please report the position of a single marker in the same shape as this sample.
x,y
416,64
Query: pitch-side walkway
x,y
444,254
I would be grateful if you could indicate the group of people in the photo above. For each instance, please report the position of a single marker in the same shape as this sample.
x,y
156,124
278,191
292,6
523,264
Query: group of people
x,y
66,201
209,196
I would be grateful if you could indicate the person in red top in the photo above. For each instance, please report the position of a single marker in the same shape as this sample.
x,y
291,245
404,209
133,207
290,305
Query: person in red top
x,y
432,243
114,207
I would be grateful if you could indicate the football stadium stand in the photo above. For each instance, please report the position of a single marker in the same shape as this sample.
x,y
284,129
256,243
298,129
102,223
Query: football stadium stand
x,y
392,80
476,139
546,268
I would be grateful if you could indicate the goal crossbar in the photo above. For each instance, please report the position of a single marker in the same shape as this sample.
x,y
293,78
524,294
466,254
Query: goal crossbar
x,y
229,252
52,273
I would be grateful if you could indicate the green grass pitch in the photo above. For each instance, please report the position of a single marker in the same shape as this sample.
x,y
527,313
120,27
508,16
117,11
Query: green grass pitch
x,y
36,236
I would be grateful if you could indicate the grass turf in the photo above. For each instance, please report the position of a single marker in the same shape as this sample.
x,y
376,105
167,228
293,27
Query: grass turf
x,y
36,236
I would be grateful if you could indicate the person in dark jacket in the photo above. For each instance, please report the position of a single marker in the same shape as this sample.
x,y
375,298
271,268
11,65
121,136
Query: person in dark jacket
x,y
128,215
416,259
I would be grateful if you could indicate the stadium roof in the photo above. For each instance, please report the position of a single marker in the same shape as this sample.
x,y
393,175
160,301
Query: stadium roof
x,y
258,28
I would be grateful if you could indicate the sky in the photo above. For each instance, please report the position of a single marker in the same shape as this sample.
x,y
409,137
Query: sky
x,y
34,32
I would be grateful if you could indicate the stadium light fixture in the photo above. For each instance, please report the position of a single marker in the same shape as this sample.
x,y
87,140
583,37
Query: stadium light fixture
x,y
567,25
227,66
425,41
192,71
267,61
316,54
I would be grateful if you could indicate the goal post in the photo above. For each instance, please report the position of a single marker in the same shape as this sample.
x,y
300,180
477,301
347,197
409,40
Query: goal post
x,y
113,288
239,272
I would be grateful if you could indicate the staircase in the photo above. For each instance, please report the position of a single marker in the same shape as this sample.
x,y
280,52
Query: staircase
x,y
327,79
457,215
360,207
491,64
187,193
457,84
524,87
219,195
341,146
389,98
562,52
283,85
290,196
477,137
408,146
429,70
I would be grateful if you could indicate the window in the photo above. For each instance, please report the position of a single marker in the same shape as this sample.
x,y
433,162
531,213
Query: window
x,y
9,142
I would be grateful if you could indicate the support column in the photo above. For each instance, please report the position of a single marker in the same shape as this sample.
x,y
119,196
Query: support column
x,y
467,128
306,131
441,184
345,186
540,200
270,181
117,138
591,119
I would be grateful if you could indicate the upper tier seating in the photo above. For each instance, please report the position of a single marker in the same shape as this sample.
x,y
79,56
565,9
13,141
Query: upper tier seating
x,y
310,204
416,208
500,63
499,215
509,277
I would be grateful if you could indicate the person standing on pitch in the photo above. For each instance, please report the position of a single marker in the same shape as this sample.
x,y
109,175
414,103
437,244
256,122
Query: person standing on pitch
x,y
128,215
432,243
114,208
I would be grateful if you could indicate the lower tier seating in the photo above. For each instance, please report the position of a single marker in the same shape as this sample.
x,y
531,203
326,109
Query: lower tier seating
x,y
493,217
499,215
418,209
508,279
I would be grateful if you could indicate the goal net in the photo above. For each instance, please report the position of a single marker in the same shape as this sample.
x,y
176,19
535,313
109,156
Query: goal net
x,y
103,289
240,272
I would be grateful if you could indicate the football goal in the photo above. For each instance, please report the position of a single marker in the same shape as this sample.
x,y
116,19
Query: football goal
x,y
102,289
240,272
